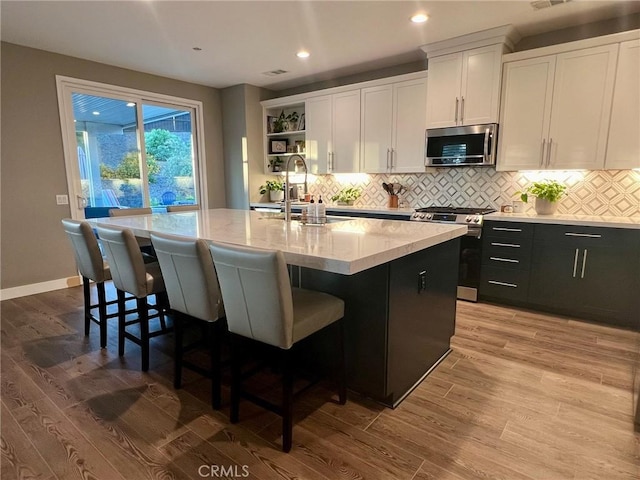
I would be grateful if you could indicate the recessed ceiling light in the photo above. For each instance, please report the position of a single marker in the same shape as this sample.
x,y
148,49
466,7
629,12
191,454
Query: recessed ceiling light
x,y
302,54
131,104
96,113
419,18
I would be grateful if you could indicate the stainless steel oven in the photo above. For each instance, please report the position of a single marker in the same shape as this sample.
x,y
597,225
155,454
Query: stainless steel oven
x,y
470,244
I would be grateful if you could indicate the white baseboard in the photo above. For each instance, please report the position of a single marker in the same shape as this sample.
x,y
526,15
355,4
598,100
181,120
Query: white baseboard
x,y
34,288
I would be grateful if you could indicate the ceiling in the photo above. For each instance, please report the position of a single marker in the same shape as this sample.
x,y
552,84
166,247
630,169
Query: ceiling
x,y
240,40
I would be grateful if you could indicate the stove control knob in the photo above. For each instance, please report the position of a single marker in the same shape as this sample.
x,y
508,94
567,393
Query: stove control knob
x,y
476,219
429,216
468,219
422,215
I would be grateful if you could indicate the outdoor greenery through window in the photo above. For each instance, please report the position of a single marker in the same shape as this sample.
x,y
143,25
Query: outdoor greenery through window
x,y
112,144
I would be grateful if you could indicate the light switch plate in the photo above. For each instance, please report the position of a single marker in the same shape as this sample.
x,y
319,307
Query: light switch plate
x,y
62,200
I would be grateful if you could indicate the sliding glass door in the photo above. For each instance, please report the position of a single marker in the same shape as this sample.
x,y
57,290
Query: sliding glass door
x,y
127,151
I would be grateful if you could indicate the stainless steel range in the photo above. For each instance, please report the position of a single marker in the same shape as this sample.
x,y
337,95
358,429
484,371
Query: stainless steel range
x,y
470,245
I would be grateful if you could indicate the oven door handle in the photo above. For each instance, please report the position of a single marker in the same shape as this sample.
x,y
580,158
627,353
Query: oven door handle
x,y
475,232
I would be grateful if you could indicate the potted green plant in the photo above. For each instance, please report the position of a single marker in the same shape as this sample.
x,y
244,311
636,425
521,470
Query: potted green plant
x,y
292,121
347,196
275,164
275,189
547,193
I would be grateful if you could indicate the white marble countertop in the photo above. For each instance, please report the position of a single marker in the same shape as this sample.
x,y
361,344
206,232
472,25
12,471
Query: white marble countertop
x,y
344,247
565,219
372,209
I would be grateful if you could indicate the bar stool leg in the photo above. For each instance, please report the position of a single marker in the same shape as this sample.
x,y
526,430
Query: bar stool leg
x,y
86,293
178,326
287,400
214,341
143,315
235,379
102,313
121,322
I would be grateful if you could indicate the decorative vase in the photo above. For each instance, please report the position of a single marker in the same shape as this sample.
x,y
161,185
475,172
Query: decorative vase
x,y
545,207
276,195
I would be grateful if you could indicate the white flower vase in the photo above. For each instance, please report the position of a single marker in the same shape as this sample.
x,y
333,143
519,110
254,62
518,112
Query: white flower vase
x,y
276,195
545,207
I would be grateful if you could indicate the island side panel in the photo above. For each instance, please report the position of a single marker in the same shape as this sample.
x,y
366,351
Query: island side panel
x,y
394,334
422,311
366,310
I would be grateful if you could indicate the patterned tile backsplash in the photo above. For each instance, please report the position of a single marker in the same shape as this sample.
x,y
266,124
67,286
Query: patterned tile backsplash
x,y
598,192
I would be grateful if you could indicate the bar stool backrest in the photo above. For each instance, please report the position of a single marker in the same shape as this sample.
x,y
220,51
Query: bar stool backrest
x,y
257,295
85,249
124,212
189,276
125,260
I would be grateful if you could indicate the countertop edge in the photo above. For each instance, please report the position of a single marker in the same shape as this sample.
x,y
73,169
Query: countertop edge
x,y
567,219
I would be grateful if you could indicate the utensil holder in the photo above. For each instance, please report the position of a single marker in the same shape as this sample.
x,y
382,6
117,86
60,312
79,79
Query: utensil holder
x,y
393,201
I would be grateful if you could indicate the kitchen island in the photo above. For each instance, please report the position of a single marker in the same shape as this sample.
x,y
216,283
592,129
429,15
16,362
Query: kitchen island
x,y
398,280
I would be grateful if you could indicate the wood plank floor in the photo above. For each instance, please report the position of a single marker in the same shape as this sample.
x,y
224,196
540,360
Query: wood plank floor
x,y
522,396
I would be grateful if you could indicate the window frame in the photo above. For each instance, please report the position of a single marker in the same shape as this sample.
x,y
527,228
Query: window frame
x,y
67,85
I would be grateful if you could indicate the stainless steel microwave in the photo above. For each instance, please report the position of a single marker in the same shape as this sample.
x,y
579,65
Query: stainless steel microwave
x,y
473,145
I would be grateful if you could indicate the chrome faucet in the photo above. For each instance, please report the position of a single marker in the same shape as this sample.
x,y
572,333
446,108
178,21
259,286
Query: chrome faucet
x,y
287,194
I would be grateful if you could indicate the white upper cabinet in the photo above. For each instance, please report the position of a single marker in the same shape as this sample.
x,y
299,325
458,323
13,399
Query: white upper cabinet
x,y
393,127
526,111
333,133
464,87
623,148
555,110
409,124
377,126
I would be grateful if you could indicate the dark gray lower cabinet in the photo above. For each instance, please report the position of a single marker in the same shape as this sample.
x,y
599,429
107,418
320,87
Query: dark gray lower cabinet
x,y
590,272
399,319
587,272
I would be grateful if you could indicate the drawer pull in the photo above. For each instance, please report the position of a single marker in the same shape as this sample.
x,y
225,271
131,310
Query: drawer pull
x,y
503,284
504,229
497,244
498,259
588,235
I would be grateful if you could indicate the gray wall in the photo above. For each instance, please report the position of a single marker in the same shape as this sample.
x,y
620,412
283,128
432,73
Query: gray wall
x,y
242,115
34,248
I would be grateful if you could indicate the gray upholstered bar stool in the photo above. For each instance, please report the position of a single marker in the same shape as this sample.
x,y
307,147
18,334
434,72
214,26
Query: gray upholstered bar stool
x,y
92,267
182,208
193,291
260,304
143,243
131,274
127,212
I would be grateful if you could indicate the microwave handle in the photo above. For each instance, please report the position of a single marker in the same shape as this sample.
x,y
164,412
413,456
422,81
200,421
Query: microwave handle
x,y
486,143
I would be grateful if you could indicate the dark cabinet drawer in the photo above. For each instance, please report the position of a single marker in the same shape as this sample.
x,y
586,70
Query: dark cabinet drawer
x,y
504,283
586,236
506,252
513,230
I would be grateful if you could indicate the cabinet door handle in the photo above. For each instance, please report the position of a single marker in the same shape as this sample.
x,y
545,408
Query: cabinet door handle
x,y
504,284
584,262
456,119
544,142
588,235
498,244
393,157
504,229
498,259
575,263
388,161
549,153
462,112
